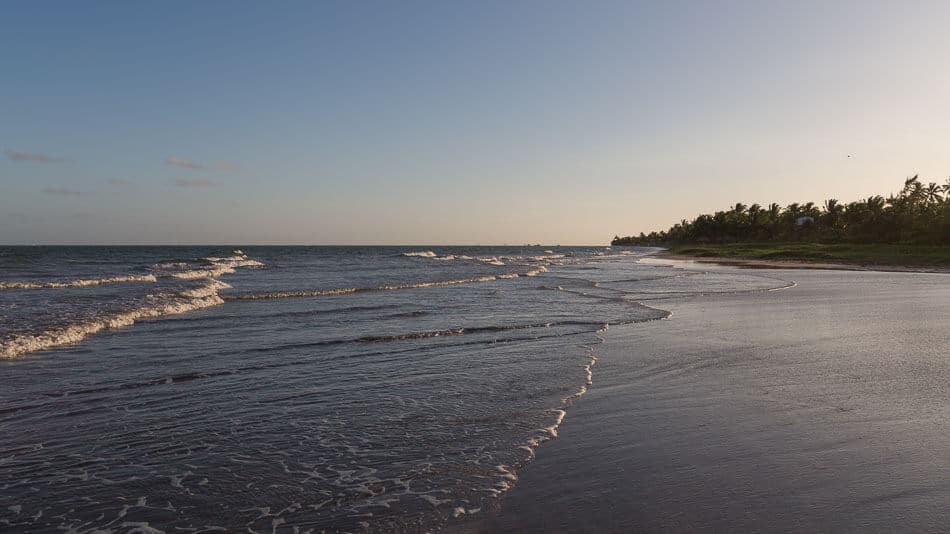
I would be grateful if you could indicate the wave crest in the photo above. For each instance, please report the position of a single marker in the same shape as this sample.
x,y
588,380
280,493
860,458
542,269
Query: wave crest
x,y
79,283
156,305
18,344
394,287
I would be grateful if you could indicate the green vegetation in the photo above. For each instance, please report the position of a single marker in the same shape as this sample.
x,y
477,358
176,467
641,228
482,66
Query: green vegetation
x,y
915,222
910,255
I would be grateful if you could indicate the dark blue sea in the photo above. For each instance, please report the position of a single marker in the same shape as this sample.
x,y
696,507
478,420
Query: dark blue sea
x,y
299,389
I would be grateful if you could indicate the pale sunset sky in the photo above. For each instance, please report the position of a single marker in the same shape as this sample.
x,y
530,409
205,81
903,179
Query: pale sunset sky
x,y
454,122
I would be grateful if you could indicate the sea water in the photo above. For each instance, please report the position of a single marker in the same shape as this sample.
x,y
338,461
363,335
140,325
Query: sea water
x,y
299,389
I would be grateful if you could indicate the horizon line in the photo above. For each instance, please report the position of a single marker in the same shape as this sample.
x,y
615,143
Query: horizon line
x,y
606,243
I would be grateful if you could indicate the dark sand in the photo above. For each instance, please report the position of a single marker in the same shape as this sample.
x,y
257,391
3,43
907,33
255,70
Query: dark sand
x,y
824,407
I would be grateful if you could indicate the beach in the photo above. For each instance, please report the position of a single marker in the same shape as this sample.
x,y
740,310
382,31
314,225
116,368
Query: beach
x,y
475,267
757,263
505,389
819,407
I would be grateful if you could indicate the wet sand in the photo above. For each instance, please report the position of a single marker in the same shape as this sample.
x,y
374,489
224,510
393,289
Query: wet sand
x,y
823,407
756,263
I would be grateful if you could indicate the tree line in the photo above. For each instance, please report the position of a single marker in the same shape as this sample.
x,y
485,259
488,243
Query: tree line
x,y
919,214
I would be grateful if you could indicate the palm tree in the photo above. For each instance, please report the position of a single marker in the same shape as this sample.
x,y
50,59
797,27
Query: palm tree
x,y
933,192
914,190
832,206
912,183
754,211
917,214
832,213
875,203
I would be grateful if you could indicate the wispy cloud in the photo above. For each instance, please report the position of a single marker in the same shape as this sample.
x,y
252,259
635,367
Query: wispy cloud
x,y
187,164
118,181
196,182
17,155
196,166
62,191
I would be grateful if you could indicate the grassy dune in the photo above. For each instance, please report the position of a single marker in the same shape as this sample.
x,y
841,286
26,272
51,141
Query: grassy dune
x,y
909,255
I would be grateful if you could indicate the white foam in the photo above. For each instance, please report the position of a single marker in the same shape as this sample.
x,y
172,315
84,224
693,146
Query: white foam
x,y
196,274
536,272
159,305
393,287
433,500
235,261
542,435
18,344
440,283
79,283
295,294
208,290
420,254
218,267
461,510
508,480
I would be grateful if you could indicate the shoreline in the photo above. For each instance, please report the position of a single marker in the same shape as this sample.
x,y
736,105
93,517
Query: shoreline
x,y
754,412
746,262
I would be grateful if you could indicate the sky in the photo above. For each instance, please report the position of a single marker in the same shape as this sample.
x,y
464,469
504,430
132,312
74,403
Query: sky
x,y
510,122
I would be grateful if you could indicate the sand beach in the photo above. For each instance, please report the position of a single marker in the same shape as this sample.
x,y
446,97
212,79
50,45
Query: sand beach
x,y
821,407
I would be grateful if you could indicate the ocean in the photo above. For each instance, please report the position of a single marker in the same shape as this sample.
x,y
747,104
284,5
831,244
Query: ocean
x,y
300,389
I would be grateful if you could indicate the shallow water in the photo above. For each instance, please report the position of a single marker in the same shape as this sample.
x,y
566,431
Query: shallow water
x,y
299,388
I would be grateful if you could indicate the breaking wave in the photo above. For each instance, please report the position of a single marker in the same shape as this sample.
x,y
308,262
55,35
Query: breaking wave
x,y
394,287
213,267
172,302
18,344
79,283
549,257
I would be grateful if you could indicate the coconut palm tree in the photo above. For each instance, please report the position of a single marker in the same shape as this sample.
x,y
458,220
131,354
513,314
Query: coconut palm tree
x,y
918,213
875,204
832,206
774,211
933,192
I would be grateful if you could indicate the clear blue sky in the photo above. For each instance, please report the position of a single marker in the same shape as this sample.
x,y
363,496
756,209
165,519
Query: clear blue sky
x,y
453,122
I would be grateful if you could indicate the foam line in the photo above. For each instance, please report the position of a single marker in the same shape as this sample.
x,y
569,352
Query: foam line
x,y
18,344
395,287
79,283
